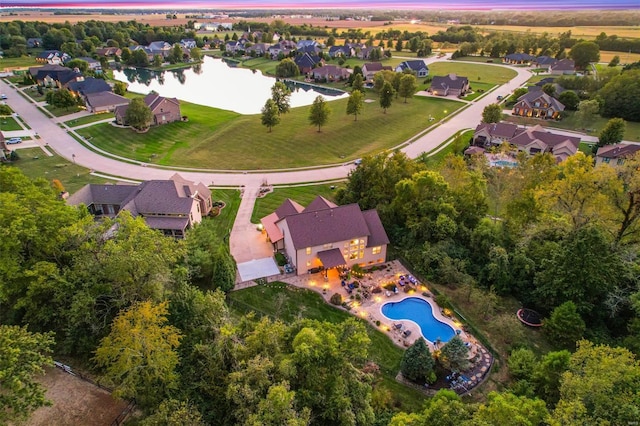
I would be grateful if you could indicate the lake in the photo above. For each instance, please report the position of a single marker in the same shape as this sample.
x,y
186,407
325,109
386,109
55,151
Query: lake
x,y
216,84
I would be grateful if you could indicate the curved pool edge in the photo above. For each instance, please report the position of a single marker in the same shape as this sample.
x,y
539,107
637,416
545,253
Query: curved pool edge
x,y
435,310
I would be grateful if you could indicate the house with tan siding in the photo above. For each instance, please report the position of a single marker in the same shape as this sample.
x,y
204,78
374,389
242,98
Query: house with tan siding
x,y
324,235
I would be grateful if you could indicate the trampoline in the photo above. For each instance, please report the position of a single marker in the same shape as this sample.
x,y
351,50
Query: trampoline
x,y
529,317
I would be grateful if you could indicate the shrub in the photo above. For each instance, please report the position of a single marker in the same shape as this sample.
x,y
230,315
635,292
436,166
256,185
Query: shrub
x,y
336,299
280,259
443,301
378,323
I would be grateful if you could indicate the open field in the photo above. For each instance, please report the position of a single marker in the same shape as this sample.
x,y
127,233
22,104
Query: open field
x,y
35,164
75,402
300,194
278,300
222,140
474,72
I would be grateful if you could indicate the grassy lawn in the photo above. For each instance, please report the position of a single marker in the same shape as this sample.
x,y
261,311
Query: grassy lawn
x,y
36,164
475,73
217,139
59,112
9,124
224,221
632,132
277,300
439,156
21,62
89,119
300,194
479,89
267,66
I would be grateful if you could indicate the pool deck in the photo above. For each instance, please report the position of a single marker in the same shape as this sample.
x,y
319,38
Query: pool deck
x,y
370,310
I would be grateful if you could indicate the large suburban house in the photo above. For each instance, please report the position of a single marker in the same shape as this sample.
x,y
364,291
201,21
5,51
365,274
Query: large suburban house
x,y
533,140
519,58
54,75
52,57
164,110
615,155
563,66
449,85
371,68
417,66
330,73
538,105
171,206
307,62
104,102
325,235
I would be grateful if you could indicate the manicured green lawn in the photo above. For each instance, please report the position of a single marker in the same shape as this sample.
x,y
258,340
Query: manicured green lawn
x,y
267,66
475,73
36,164
89,119
278,300
23,61
223,140
479,89
59,112
301,194
439,156
8,124
224,221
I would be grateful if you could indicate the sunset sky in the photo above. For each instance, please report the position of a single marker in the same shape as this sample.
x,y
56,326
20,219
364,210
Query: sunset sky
x,y
326,4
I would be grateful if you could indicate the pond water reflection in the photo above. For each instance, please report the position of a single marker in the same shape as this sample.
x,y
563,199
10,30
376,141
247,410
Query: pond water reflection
x,y
216,84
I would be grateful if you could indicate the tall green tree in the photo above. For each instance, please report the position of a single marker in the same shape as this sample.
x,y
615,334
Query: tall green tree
x,y
139,354
492,113
172,412
417,363
454,355
569,99
270,114
22,356
612,133
601,386
138,114
386,96
120,88
584,52
565,326
587,111
510,410
408,86
621,96
287,68
319,112
355,104
358,83
280,94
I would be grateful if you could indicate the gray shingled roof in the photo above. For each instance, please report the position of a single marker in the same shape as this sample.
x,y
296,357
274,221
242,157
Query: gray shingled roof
x,y
288,208
619,150
377,234
451,81
102,99
319,203
102,194
161,197
502,130
177,223
326,226
550,139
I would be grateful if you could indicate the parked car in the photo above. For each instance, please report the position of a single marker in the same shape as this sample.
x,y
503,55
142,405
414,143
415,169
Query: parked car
x,y
358,162
288,269
14,141
3,96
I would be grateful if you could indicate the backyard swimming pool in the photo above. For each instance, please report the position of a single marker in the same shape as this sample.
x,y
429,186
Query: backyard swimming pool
x,y
420,312
503,163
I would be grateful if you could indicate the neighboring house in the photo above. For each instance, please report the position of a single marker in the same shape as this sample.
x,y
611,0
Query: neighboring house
x,y
188,43
563,66
170,206
104,102
34,42
371,68
615,155
538,105
418,66
94,65
164,110
330,73
233,46
150,54
339,52
533,140
365,52
54,75
109,51
306,62
449,85
302,44
326,235
258,49
4,151
310,49
544,62
519,58
52,57
493,134
538,88
88,85
161,48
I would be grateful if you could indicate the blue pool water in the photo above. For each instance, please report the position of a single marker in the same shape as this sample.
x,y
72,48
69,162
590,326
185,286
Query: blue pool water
x,y
420,312
503,163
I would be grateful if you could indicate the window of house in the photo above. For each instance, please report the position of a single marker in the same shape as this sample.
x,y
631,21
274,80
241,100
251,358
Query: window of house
x,y
353,255
376,250
606,160
308,263
537,104
308,250
327,246
361,254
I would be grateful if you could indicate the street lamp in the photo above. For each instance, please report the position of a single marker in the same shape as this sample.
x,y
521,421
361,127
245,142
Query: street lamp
x,y
73,157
